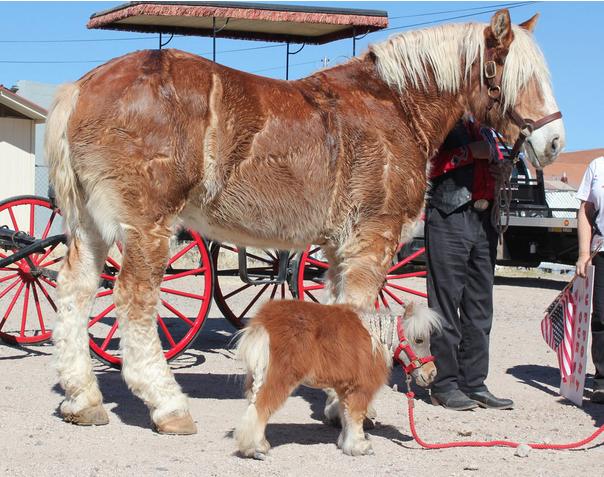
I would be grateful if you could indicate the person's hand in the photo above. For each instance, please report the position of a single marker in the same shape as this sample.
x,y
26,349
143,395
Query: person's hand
x,y
481,149
583,262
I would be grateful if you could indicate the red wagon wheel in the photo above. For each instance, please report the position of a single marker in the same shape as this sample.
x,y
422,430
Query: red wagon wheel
x,y
27,297
400,285
185,298
236,299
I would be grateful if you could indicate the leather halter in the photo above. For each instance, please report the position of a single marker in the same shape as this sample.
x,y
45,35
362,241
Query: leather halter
x,y
493,76
404,346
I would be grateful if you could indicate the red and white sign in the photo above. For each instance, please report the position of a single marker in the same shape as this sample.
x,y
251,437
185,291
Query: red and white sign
x,y
572,387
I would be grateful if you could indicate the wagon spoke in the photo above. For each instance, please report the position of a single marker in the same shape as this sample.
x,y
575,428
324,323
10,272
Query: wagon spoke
x,y
238,290
38,309
407,259
13,219
164,328
393,296
317,263
104,293
282,291
10,287
12,304
109,336
268,252
24,312
31,219
383,299
177,313
256,257
8,277
421,273
313,251
408,290
319,286
49,224
48,282
52,262
45,293
311,296
46,254
274,292
193,271
106,276
254,300
101,315
181,253
113,263
182,293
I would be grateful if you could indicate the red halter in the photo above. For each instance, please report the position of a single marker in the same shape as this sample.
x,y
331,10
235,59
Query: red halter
x,y
403,345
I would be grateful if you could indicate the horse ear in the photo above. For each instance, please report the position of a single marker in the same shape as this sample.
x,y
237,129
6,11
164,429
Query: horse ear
x,y
529,25
501,29
409,309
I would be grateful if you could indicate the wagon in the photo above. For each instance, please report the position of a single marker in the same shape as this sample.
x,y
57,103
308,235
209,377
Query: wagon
x,y
32,242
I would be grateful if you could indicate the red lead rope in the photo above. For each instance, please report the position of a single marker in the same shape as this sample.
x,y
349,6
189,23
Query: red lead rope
x,y
447,445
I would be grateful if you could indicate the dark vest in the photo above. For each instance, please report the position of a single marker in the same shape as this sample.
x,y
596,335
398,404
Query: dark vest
x,y
453,189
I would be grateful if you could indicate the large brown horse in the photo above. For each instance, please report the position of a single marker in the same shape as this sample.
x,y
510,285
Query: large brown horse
x,y
156,139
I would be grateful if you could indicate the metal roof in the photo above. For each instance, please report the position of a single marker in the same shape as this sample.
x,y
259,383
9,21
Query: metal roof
x,y
22,105
238,20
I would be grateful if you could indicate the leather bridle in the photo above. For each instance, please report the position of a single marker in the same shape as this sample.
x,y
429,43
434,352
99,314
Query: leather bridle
x,y
493,76
404,346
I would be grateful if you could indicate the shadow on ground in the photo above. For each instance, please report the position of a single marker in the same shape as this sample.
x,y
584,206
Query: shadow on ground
x,y
544,378
531,282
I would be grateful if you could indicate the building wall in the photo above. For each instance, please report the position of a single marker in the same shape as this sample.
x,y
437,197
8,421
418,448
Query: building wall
x,y
17,159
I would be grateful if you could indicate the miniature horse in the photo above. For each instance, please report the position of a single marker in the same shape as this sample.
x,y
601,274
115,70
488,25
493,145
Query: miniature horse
x,y
155,140
289,343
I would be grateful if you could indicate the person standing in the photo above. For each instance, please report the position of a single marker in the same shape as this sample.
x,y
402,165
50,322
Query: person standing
x,y
590,223
461,248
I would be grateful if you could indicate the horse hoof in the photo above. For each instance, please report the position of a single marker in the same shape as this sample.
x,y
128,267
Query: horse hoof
x,y
259,456
90,416
177,425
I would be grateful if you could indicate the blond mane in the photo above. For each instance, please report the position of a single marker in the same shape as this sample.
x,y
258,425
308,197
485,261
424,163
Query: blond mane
x,y
449,51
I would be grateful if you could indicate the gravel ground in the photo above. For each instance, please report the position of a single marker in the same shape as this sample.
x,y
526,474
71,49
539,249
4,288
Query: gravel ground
x,y
35,442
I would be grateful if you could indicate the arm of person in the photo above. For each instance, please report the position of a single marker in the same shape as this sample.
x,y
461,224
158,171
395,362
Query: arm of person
x,y
584,227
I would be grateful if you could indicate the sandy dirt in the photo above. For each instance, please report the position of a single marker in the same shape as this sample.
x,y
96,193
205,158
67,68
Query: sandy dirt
x,y
35,442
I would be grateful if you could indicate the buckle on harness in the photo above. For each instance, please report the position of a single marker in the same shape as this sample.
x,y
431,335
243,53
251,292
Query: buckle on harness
x,y
490,69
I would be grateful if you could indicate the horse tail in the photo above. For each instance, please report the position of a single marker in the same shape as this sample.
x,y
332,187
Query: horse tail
x,y
61,172
253,349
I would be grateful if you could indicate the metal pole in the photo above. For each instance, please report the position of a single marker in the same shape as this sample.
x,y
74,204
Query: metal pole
x,y
160,41
214,39
354,41
287,62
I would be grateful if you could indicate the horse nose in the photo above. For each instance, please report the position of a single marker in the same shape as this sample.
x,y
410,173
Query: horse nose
x,y
432,375
555,145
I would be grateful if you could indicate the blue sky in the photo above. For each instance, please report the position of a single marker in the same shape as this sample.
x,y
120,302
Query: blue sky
x,y
569,34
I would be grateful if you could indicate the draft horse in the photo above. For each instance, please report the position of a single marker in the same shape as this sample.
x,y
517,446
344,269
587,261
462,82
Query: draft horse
x,y
156,139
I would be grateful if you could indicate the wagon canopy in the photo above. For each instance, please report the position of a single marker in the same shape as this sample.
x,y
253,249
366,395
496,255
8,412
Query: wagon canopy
x,y
244,21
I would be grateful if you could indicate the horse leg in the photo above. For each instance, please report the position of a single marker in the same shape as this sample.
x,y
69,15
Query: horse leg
x,y
145,369
366,257
76,287
265,395
353,409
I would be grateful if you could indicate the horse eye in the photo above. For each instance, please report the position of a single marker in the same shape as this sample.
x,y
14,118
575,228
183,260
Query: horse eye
x,y
419,341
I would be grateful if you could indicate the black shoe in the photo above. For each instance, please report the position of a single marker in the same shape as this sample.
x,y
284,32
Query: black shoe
x,y
597,396
454,400
487,400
